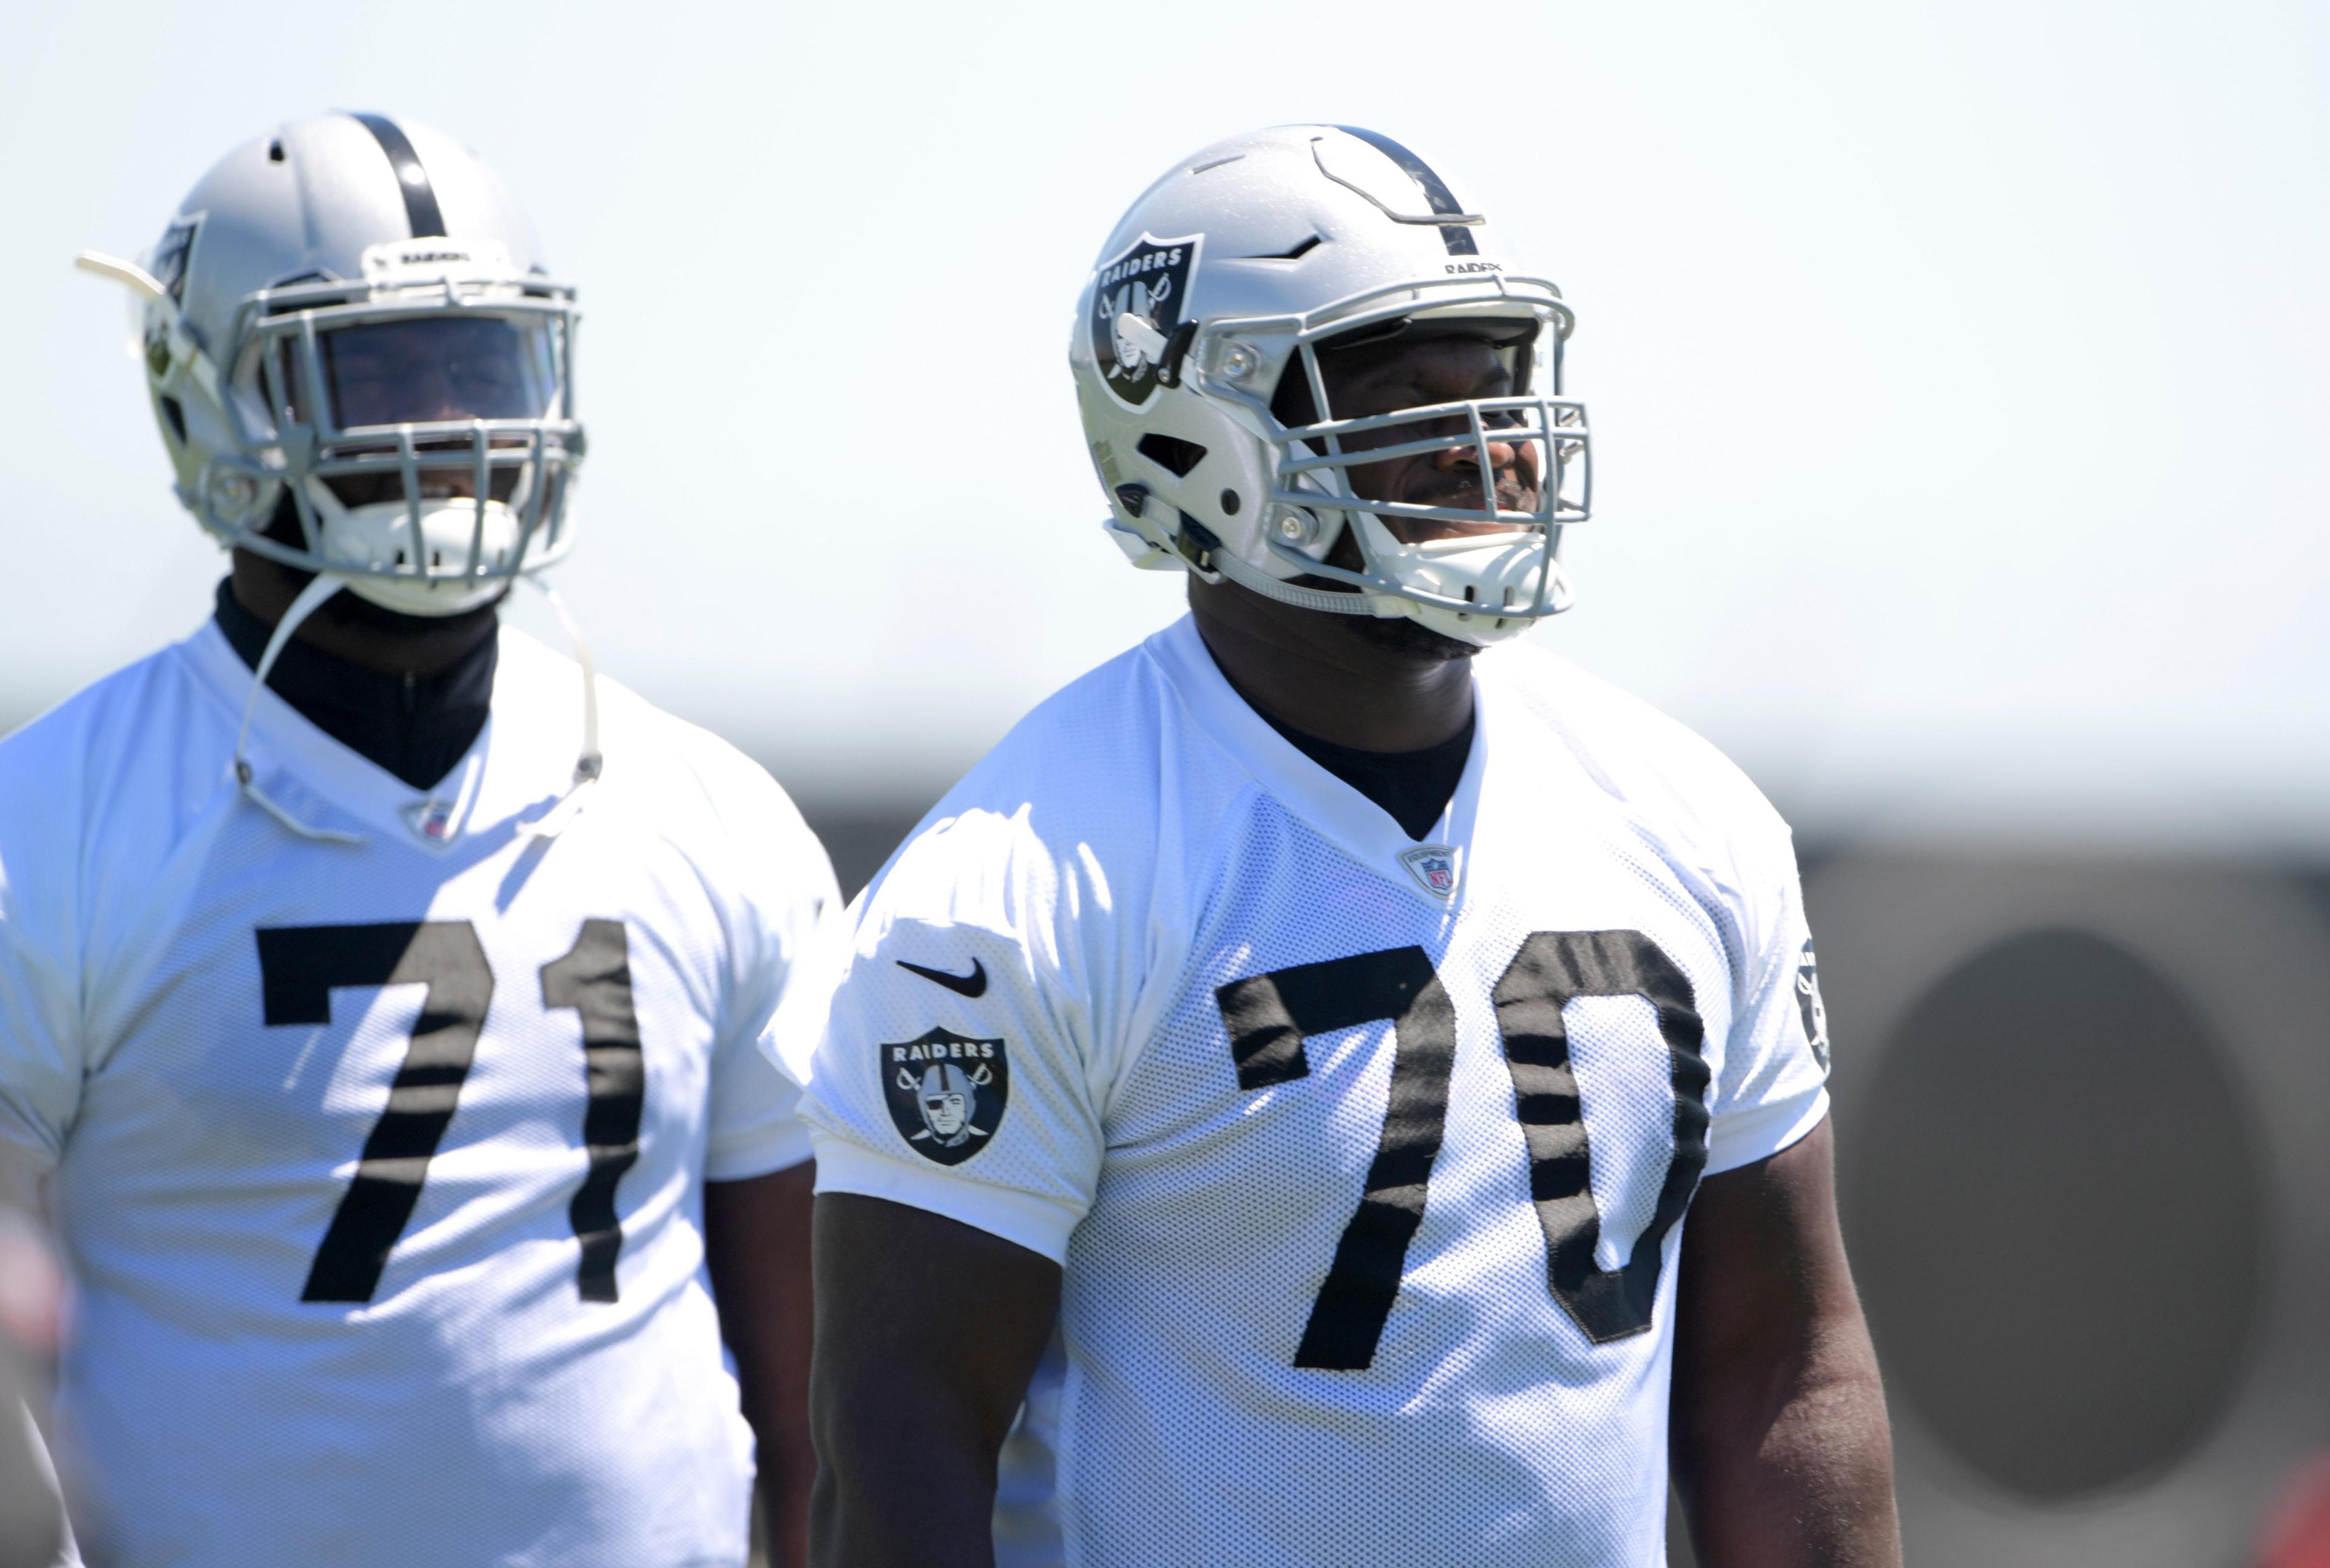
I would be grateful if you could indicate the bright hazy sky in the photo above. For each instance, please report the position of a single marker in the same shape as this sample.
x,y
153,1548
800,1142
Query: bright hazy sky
x,y
1959,373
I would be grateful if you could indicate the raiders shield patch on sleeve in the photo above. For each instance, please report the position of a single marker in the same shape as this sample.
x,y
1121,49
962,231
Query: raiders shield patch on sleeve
x,y
1808,1002
946,1093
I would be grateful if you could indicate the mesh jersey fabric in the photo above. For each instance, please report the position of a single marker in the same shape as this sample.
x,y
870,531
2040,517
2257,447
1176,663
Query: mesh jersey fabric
x,y
201,1018
1348,1146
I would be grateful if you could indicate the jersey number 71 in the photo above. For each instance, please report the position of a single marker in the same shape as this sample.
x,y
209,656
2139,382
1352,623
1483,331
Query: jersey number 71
x,y
300,967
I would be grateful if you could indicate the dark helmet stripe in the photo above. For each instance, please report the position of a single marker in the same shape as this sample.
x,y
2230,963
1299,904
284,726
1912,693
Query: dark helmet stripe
x,y
412,178
1457,237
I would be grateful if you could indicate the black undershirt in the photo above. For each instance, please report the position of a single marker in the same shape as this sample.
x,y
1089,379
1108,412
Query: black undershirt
x,y
1412,786
415,727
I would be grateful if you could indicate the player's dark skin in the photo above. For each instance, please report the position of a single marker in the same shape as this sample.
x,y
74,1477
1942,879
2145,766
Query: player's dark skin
x,y
756,1239
756,1230
930,1329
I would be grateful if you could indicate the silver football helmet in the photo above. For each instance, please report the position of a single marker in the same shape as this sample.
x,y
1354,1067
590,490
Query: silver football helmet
x,y
351,311
1233,271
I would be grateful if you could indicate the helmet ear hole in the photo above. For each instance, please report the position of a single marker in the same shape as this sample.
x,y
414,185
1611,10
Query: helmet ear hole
x,y
1171,453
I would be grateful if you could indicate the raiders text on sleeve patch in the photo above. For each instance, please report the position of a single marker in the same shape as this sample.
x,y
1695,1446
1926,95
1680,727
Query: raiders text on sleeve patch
x,y
945,1093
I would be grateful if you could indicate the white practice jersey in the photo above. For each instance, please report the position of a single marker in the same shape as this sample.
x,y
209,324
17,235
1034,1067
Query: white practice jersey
x,y
378,1161
1365,1159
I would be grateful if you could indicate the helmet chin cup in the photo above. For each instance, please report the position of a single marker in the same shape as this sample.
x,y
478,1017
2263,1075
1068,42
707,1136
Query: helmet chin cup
x,y
374,547
1494,571
408,597
1486,629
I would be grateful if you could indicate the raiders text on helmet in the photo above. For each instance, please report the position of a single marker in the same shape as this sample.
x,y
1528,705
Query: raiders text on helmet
x,y
350,313
1234,271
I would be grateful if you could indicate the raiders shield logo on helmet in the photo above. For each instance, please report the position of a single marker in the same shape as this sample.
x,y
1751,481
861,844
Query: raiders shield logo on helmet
x,y
946,1093
171,252
1138,302
1808,1002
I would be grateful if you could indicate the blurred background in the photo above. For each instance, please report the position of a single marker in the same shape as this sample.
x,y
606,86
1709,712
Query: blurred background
x,y
1958,377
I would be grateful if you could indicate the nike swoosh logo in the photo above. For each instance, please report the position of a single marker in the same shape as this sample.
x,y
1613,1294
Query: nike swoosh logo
x,y
972,984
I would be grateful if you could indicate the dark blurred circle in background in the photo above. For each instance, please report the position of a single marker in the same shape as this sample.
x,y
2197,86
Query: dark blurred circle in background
x,y
2059,1222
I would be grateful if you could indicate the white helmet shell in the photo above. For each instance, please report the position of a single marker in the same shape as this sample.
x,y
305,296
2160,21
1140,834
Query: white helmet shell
x,y
296,257
1228,273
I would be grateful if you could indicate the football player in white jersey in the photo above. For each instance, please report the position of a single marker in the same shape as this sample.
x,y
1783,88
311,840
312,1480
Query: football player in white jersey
x,y
379,993
1332,1087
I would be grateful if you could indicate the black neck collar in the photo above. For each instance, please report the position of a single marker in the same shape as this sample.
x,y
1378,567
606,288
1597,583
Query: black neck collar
x,y
1413,787
414,727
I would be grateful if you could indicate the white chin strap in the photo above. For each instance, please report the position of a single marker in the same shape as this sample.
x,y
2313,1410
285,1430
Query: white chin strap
x,y
1245,575
563,811
312,599
591,764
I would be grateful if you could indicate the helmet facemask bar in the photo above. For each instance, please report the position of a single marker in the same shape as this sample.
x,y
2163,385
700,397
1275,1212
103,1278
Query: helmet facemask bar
x,y
1314,499
522,463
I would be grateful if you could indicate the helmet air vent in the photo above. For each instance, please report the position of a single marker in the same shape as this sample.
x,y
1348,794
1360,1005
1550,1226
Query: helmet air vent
x,y
1295,252
1171,453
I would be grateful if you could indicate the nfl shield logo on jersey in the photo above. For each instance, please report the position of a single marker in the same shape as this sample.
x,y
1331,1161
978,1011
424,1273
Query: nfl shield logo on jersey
x,y
1138,302
1434,866
946,1093
1808,1002
431,820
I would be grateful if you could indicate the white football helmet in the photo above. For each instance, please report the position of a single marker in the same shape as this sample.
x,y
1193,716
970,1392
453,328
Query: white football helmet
x,y
1231,272
351,311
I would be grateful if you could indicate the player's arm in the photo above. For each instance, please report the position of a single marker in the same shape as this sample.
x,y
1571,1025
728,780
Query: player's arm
x,y
756,1247
954,1092
929,1330
757,1173
1780,1446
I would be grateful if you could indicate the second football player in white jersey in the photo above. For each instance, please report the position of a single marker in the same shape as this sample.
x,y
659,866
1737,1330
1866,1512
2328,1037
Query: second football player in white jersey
x,y
378,992
1398,1074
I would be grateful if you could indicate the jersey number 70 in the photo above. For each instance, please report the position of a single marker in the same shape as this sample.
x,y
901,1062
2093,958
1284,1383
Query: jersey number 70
x,y
300,967
1269,1015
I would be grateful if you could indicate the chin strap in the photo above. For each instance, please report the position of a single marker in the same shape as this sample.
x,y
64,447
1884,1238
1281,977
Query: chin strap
x,y
312,599
1261,582
561,812
587,766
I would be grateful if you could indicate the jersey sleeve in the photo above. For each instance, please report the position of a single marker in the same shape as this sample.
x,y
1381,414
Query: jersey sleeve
x,y
1771,1087
963,1057
756,1128
40,1048
41,1044
786,902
